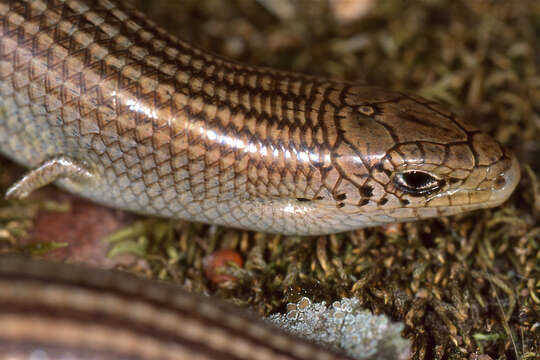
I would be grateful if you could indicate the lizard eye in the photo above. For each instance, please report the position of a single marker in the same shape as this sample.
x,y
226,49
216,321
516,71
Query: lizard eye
x,y
417,183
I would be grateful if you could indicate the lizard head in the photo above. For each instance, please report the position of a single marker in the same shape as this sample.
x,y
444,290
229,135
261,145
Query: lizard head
x,y
403,157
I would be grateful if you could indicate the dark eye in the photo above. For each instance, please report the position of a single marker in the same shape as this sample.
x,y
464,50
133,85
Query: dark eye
x,y
417,183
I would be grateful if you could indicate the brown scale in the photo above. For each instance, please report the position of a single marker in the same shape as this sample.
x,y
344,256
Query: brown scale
x,y
96,96
60,311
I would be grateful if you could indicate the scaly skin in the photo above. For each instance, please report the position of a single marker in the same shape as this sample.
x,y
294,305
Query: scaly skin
x,y
58,311
96,96
167,129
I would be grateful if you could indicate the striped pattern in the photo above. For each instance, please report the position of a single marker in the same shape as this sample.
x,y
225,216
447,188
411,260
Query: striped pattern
x,y
94,314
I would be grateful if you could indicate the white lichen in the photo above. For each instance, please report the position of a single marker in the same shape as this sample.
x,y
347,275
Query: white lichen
x,y
345,326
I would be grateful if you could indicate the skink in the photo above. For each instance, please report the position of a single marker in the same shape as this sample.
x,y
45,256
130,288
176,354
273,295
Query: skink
x,y
96,96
